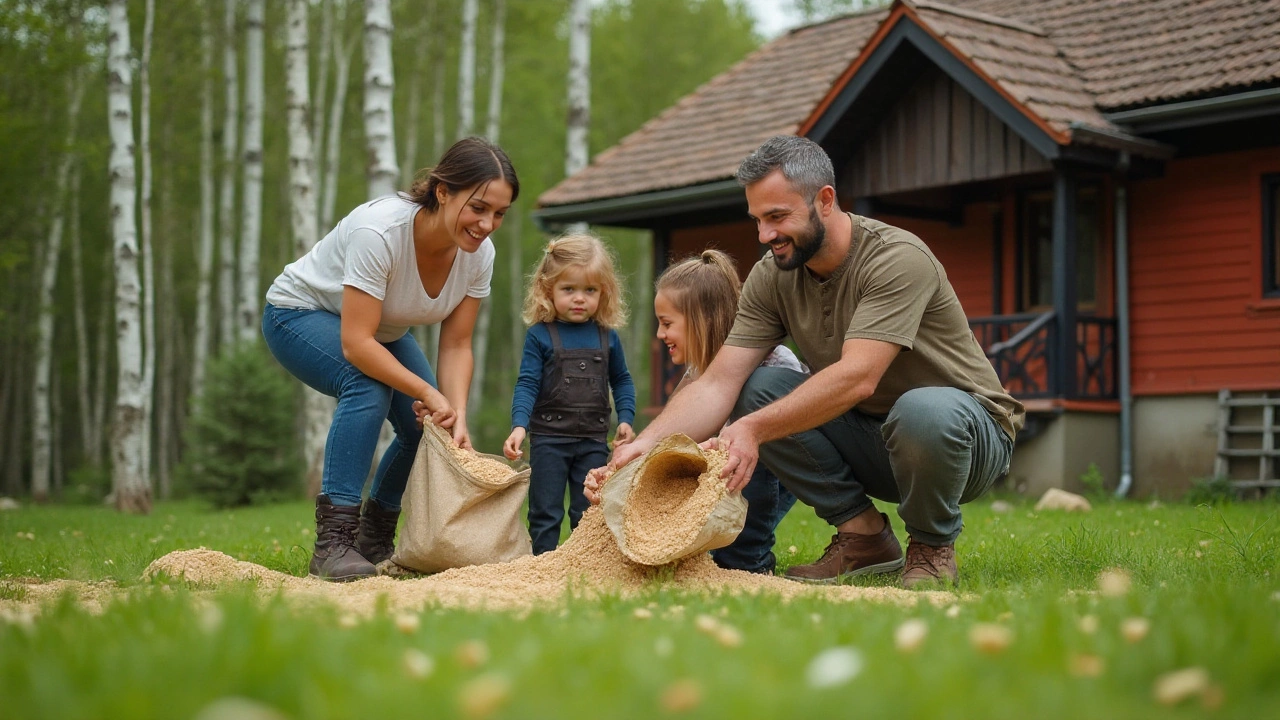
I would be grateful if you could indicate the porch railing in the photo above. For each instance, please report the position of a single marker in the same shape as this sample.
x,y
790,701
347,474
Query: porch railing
x,y
1022,350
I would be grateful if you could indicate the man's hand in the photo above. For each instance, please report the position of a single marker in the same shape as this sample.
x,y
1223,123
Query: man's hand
x,y
511,448
744,452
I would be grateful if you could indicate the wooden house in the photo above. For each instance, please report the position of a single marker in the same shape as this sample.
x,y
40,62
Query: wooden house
x,y
1101,179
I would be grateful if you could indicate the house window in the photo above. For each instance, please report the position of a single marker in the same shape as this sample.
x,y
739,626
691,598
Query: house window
x,y
1271,235
1036,215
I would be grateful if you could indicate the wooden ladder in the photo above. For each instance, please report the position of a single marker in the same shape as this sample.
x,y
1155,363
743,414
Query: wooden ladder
x,y
1231,432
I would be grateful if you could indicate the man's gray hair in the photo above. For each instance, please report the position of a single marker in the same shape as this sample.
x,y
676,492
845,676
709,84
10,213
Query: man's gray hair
x,y
802,161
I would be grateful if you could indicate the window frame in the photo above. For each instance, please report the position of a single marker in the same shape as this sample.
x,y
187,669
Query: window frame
x,y
1271,236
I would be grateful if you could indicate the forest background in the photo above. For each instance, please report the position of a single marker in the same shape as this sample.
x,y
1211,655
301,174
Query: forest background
x,y
189,64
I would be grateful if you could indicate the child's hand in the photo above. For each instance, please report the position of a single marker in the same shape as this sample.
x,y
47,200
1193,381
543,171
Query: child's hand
x,y
624,435
511,448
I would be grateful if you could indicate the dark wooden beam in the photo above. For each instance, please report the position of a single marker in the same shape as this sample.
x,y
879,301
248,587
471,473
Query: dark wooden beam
x,y
1064,281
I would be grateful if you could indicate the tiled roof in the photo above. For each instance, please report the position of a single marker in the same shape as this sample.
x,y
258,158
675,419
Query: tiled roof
x,y
1065,61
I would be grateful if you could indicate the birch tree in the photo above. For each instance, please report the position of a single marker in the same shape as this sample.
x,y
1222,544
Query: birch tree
x,y
42,440
227,196
302,206
248,312
493,125
343,48
132,489
579,82
149,344
204,255
467,69
379,84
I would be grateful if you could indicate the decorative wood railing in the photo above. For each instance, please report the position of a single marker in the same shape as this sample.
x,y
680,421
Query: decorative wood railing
x,y
1022,349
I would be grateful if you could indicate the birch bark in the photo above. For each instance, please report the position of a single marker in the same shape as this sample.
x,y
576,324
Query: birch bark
x,y
248,312
41,401
131,488
227,198
379,86
204,255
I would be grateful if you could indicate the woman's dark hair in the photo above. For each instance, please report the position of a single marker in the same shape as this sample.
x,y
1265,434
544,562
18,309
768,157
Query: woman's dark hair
x,y
468,163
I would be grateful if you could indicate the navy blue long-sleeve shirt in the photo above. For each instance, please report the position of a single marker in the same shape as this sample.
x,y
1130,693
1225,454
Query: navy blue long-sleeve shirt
x,y
538,351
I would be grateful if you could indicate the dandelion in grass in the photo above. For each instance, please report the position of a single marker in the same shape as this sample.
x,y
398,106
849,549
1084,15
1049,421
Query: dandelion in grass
x,y
472,654
910,635
682,696
834,666
642,613
418,665
484,695
792,550
1179,685
1114,582
706,624
1134,629
1085,665
407,623
728,636
990,638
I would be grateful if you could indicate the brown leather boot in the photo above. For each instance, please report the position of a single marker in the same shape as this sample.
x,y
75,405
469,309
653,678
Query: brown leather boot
x,y
851,554
376,540
929,565
335,557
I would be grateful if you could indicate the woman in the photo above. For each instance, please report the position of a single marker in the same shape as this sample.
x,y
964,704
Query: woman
x,y
338,319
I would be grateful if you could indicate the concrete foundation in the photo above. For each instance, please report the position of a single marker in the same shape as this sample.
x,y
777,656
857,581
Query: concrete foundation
x,y
1175,441
1062,453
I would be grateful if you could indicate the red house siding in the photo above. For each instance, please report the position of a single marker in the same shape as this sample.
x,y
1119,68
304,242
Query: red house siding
x,y
1199,322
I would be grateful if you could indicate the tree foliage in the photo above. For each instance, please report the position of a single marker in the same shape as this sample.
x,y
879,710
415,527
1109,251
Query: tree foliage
x,y
241,441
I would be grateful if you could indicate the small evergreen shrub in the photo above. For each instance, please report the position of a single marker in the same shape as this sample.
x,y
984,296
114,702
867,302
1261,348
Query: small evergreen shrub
x,y
1093,481
242,446
1210,491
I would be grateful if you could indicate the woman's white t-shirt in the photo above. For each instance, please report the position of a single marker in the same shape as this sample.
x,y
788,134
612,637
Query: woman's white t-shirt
x,y
372,250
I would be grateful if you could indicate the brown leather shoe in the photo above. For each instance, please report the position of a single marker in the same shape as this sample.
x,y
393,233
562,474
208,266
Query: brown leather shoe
x,y
851,554
929,565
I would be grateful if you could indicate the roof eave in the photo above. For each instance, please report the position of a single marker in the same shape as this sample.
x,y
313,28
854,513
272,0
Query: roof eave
x,y
1198,113
642,210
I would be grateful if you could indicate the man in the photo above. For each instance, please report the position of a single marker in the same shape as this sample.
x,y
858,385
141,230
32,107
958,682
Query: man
x,y
903,405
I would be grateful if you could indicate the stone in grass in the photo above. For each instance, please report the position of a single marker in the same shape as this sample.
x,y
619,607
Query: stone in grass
x,y
238,708
834,666
1055,499
1174,687
681,696
1001,506
8,503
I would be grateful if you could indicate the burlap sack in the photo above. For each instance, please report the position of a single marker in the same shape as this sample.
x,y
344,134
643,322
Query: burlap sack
x,y
702,515
454,517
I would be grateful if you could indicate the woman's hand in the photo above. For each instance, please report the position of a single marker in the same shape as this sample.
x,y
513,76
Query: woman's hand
x,y
624,435
511,448
461,436
435,407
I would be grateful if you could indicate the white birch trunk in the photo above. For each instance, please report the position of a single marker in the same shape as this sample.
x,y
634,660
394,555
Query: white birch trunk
x,y
467,69
379,85
317,410
579,86
84,404
148,254
480,345
333,144
227,199
42,430
204,255
248,319
131,488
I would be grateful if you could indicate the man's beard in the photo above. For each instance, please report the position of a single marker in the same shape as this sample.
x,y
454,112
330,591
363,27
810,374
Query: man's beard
x,y
803,246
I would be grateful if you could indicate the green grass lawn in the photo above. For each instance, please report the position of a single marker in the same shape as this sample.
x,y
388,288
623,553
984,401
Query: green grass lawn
x,y
1207,580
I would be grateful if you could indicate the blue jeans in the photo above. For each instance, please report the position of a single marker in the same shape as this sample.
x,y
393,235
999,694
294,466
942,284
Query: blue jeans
x,y
308,344
556,462
935,450
767,503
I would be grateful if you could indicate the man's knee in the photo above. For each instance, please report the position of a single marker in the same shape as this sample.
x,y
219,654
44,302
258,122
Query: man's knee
x,y
926,416
766,385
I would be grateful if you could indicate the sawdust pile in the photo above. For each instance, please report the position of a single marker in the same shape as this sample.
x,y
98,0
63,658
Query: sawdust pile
x,y
588,565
